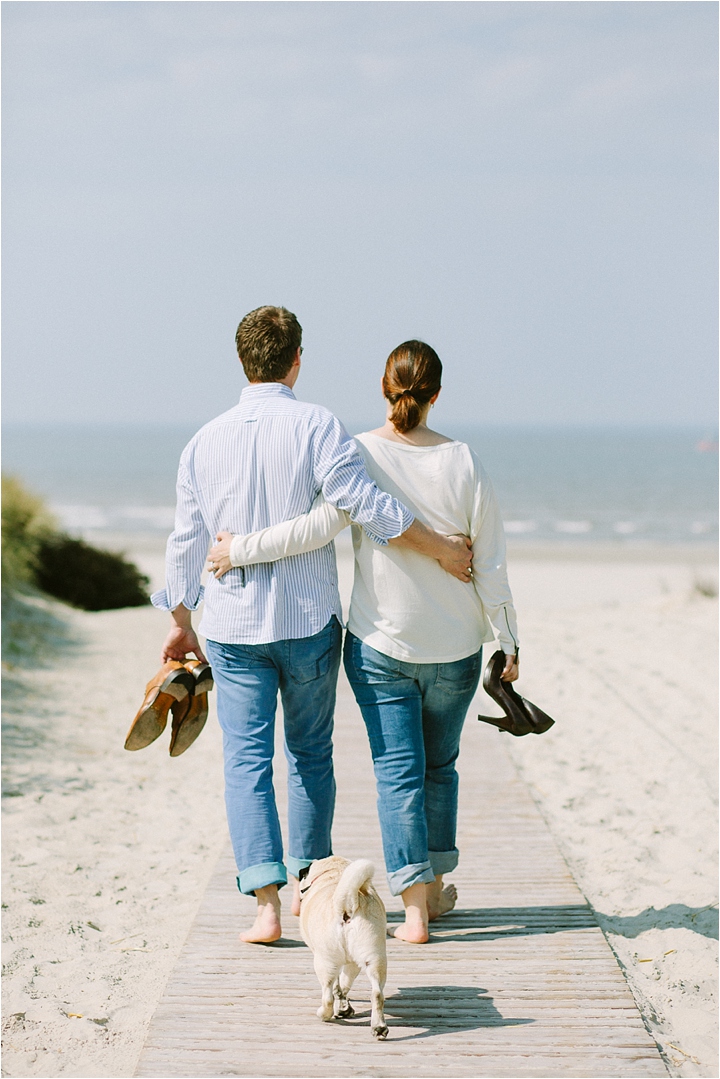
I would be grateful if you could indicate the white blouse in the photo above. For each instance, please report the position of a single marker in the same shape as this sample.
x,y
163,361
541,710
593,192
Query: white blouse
x,y
403,603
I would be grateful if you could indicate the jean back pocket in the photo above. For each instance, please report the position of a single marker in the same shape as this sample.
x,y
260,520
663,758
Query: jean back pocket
x,y
313,657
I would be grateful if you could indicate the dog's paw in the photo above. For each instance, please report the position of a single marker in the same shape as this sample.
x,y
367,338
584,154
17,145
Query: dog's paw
x,y
380,1033
345,1011
325,1014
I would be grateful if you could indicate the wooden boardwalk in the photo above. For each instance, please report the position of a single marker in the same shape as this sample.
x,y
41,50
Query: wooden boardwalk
x,y
518,981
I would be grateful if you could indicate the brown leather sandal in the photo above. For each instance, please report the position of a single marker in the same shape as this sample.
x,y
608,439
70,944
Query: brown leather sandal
x,y
171,684
189,717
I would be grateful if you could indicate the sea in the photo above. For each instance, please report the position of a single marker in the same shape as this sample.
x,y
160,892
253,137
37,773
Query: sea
x,y
623,486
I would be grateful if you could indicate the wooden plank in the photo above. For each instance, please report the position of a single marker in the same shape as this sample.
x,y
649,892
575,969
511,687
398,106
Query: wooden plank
x,y
518,981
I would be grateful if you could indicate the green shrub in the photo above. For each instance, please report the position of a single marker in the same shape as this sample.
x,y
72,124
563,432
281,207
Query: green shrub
x,y
96,580
35,553
25,524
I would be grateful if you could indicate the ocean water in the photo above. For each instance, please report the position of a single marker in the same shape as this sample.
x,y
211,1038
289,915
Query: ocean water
x,y
620,485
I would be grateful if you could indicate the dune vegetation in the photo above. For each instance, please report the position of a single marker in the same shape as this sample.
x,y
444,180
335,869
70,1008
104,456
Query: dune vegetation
x,y
38,558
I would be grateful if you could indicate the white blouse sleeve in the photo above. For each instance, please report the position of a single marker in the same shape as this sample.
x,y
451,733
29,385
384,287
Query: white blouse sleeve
x,y
307,532
489,565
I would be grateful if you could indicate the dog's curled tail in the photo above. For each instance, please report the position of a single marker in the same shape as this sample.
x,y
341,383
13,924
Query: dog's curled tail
x,y
354,878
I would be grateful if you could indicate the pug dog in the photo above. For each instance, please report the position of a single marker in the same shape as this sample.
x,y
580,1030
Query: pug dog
x,y
342,921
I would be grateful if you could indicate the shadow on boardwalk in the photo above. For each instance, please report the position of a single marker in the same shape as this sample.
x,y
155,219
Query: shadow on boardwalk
x,y
495,923
440,1009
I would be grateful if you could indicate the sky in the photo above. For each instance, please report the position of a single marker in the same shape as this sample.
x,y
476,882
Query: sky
x,y
530,187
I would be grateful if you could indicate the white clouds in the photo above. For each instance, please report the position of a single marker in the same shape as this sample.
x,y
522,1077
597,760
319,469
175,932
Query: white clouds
x,y
530,180
548,79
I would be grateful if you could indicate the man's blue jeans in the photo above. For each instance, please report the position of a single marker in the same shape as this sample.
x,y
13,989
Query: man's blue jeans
x,y
414,714
248,678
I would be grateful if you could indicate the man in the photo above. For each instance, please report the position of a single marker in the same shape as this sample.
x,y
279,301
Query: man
x,y
275,626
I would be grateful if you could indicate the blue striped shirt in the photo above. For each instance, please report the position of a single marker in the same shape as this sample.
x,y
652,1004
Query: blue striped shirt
x,y
260,463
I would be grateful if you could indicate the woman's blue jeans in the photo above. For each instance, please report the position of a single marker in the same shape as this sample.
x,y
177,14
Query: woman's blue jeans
x,y
414,714
248,677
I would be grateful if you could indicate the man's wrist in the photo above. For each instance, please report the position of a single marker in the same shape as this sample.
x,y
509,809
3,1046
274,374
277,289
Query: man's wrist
x,y
182,617
423,539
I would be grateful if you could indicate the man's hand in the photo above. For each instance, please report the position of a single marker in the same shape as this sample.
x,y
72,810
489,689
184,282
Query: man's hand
x,y
182,638
454,553
456,557
219,557
511,671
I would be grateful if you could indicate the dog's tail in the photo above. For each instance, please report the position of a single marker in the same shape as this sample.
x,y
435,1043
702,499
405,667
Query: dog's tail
x,y
354,878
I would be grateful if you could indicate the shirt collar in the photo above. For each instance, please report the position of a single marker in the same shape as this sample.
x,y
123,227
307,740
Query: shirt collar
x,y
267,389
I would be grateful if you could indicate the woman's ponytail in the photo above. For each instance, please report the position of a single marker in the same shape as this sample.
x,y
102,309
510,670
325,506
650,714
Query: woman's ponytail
x,y
413,375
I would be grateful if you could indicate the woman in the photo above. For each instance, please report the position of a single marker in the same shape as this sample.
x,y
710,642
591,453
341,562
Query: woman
x,y
414,642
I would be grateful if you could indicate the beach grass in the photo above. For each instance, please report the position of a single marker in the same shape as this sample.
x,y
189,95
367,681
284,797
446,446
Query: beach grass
x,y
38,558
26,523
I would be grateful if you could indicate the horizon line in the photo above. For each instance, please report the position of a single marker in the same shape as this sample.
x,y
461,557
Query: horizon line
x,y
706,425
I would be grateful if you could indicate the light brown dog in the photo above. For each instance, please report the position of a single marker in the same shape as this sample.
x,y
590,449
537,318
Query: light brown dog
x,y
342,920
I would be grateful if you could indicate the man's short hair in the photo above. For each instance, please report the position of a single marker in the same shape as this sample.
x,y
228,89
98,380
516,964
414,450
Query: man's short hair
x,y
267,341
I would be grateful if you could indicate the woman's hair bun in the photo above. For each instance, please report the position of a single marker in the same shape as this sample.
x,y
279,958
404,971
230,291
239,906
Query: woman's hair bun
x,y
413,375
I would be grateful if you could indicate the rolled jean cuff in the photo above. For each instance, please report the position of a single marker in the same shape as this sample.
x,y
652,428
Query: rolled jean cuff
x,y
260,876
295,866
443,861
420,873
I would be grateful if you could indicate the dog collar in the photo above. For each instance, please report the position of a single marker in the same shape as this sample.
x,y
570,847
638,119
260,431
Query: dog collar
x,y
309,886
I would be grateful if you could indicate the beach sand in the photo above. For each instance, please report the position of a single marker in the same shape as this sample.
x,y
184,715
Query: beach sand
x,y
624,656
107,853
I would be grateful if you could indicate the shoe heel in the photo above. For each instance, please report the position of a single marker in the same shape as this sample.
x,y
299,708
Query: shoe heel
x,y
178,684
203,680
204,686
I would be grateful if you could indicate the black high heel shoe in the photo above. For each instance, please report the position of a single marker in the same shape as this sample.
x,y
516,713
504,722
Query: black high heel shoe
x,y
521,716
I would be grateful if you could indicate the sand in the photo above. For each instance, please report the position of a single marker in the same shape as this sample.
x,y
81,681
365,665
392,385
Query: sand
x,y
627,779
107,853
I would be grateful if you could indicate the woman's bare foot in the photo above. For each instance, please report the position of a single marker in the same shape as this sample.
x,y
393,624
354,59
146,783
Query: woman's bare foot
x,y
440,900
295,901
414,929
267,923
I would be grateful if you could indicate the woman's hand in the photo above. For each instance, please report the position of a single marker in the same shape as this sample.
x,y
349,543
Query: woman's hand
x,y
511,672
219,557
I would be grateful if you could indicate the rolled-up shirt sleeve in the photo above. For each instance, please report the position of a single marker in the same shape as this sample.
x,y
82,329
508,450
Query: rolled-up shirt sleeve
x,y
344,481
186,552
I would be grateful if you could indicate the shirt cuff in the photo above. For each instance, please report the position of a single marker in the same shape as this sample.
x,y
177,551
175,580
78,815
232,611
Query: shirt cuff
x,y
166,602
235,552
405,521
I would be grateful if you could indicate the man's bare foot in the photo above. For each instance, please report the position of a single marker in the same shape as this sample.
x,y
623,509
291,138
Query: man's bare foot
x,y
412,932
267,923
440,900
295,901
